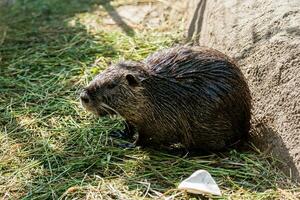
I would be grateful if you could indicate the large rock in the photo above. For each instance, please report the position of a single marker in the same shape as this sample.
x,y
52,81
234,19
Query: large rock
x,y
264,37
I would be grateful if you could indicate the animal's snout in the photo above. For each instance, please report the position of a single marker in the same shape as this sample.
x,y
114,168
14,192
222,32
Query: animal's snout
x,y
84,96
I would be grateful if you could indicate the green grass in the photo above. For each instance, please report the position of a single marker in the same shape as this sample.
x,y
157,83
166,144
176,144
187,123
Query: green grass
x,y
52,149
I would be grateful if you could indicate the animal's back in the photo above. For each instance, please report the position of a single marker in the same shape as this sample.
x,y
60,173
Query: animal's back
x,y
203,93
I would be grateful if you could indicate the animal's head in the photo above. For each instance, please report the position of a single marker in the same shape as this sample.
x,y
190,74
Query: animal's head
x,y
116,90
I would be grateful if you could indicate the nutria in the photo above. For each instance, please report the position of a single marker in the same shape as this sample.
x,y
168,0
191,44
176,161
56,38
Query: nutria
x,y
194,96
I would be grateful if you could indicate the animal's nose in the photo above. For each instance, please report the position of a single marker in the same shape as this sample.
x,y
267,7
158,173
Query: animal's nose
x,y
84,97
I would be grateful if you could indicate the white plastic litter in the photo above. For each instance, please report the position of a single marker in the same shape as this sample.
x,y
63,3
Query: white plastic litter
x,y
200,182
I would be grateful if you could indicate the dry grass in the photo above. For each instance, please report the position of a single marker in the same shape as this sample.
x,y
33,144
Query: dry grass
x,y
51,149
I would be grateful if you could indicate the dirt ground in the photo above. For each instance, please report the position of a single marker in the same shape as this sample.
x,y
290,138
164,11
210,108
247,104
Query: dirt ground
x,y
141,15
264,37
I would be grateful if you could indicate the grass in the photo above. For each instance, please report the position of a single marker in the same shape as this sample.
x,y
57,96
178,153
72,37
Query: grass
x,y
52,149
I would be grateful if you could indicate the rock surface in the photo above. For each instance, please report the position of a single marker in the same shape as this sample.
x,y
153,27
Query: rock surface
x,y
264,37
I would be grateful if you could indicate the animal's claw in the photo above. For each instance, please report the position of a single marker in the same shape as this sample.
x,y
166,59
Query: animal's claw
x,y
127,145
119,134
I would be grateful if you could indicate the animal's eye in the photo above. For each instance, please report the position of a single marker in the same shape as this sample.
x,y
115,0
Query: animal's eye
x,y
111,85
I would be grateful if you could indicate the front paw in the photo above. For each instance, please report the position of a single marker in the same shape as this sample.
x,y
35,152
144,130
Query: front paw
x,y
127,145
141,142
119,134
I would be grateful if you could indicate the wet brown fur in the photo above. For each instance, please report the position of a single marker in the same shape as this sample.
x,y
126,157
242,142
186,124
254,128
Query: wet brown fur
x,y
190,95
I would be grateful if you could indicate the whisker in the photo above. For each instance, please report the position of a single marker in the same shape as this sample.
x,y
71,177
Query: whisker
x,y
110,108
102,108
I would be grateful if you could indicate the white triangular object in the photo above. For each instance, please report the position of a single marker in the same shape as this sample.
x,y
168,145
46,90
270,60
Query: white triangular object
x,y
200,182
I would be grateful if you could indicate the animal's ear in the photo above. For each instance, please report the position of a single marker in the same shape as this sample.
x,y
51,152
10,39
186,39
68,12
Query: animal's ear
x,y
132,80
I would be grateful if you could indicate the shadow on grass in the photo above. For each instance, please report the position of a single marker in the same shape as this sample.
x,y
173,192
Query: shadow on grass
x,y
263,134
41,64
117,18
